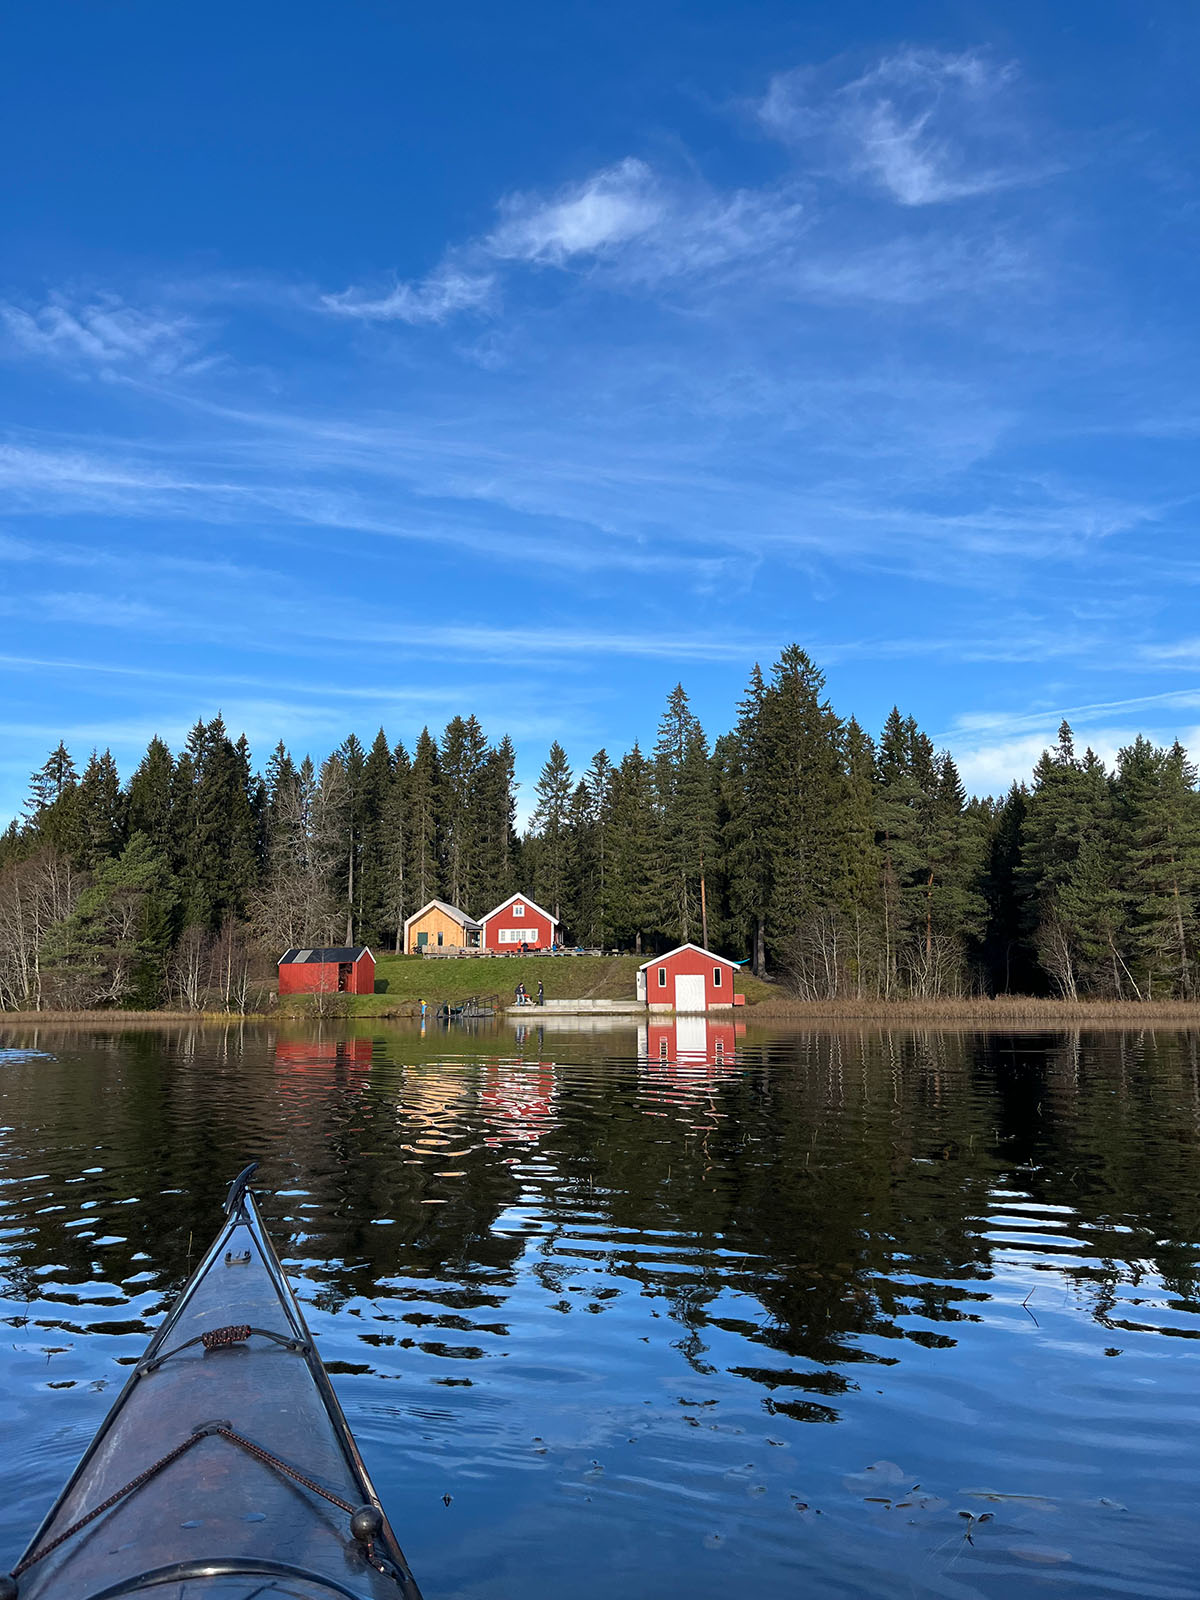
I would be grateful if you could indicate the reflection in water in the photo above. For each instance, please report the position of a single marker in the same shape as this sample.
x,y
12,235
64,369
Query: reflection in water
x,y
827,1313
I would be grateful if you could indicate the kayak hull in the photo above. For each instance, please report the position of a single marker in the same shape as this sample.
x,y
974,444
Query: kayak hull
x,y
225,1467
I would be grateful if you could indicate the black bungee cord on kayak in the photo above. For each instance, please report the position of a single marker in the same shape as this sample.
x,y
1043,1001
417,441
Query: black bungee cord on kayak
x,y
365,1521
92,1572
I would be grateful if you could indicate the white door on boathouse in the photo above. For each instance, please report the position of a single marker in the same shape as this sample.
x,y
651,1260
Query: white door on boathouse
x,y
689,992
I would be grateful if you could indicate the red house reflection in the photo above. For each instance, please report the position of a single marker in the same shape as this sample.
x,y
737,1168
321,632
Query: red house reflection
x,y
690,1041
517,1099
347,1053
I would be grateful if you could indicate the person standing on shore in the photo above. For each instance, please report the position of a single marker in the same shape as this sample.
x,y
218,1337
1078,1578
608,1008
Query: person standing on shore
x,y
541,993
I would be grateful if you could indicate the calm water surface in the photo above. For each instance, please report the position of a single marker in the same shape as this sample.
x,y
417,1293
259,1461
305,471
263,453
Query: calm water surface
x,y
798,1314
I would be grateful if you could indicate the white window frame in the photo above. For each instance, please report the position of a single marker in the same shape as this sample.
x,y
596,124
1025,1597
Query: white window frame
x,y
716,977
518,910
662,977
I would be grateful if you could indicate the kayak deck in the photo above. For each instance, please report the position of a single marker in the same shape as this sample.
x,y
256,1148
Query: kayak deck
x,y
229,1467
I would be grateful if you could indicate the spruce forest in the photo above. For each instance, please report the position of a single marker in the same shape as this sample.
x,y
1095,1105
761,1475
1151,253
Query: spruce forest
x,y
842,865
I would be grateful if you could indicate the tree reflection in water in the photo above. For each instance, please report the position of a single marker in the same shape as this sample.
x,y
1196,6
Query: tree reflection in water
x,y
936,1241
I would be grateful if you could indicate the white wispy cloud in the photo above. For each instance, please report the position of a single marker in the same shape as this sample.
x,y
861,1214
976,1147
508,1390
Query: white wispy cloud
x,y
607,209
443,294
88,609
626,224
1173,653
922,126
992,748
104,333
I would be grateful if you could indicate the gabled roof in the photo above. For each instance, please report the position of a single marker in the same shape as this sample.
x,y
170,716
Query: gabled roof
x,y
453,912
320,956
504,905
709,955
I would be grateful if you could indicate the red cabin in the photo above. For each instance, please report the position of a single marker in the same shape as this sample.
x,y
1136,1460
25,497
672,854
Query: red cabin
x,y
688,979
333,969
518,921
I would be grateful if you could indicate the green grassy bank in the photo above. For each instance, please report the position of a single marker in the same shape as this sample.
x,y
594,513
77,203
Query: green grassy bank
x,y
402,982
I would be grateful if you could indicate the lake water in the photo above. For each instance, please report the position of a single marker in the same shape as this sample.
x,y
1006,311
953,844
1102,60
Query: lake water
x,y
784,1314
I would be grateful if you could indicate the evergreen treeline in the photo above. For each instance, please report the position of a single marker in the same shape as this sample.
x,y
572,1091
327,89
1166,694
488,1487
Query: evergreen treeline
x,y
843,864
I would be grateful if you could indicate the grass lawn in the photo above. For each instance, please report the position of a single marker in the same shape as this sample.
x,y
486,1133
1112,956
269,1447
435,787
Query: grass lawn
x,y
402,981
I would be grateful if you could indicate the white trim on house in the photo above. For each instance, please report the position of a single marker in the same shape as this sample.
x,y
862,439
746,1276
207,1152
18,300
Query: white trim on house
x,y
453,912
525,900
709,955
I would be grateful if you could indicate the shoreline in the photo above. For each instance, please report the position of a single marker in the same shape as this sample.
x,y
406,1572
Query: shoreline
x,y
998,1011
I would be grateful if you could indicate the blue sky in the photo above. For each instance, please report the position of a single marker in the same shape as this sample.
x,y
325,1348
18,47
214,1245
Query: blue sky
x,y
365,364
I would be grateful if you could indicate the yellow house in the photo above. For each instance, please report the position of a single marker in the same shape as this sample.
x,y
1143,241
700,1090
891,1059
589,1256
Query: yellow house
x,y
439,926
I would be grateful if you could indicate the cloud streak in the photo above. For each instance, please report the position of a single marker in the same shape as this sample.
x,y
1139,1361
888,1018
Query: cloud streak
x,y
442,295
105,334
922,127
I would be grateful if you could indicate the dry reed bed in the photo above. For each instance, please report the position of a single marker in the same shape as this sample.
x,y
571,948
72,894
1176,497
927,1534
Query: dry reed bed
x,y
127,1019
1001,1011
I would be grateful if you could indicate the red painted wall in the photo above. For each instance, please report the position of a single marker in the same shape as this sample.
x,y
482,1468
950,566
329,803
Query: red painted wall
x,y
697,963
536,930
321,977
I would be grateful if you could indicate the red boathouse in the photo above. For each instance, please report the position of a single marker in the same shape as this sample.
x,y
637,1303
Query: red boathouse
x,y
518,921
688,978
332,969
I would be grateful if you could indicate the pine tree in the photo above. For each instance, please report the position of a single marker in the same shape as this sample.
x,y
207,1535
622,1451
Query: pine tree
x,y
1159,822
112,949
859,871
593,850
375,903
632,850
424,880
101,811
150,797
495,811
1010,962
461,773
218,851
551,824
801,738
50,782
746,801
685,797
52,810
394,903
900,802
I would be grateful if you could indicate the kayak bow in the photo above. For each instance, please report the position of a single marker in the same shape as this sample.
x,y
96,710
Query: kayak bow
x,y
225,1467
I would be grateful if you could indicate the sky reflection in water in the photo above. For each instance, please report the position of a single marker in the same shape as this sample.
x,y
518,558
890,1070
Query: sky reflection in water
x,y
834,1314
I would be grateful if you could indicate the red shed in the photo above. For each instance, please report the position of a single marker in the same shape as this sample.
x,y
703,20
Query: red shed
x,y
518,921
687,979
333,969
